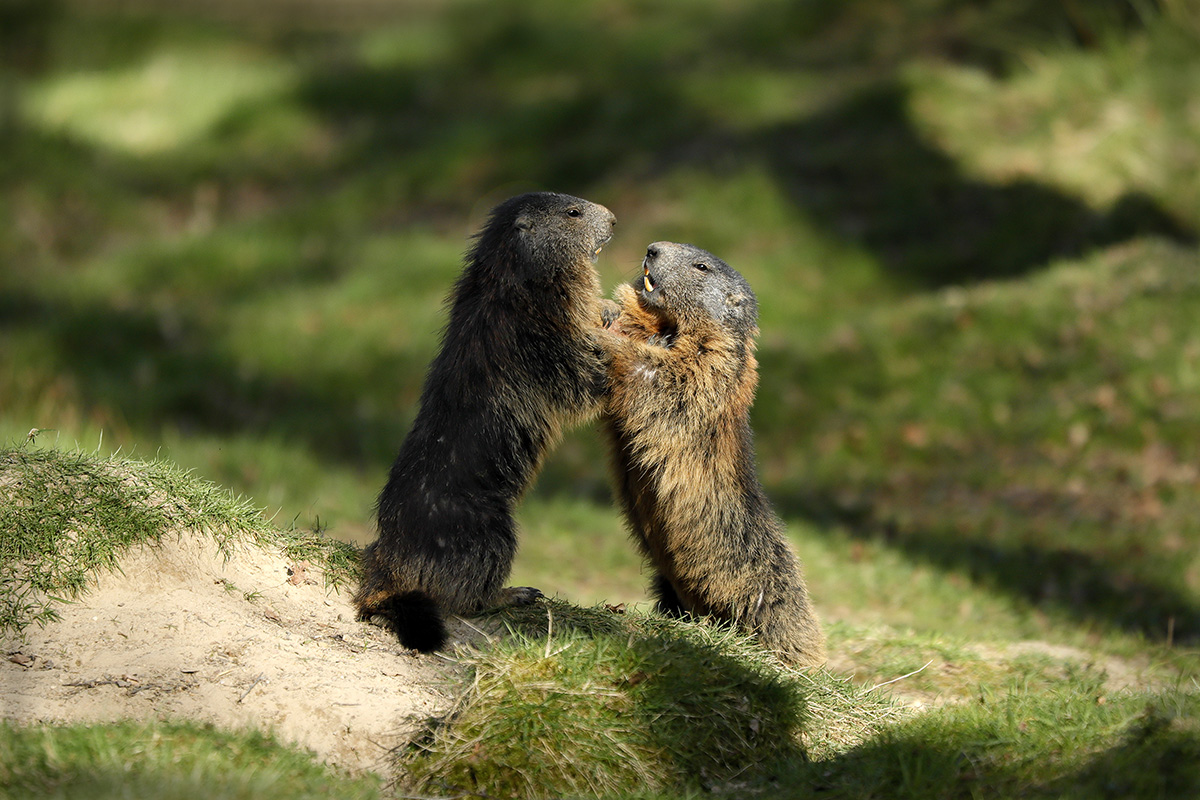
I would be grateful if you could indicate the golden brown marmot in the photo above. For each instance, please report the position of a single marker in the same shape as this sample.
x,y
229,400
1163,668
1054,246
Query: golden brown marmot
x,y
519,362
681,380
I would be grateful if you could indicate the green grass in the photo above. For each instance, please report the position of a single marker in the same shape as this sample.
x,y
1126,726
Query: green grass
x,y
585,702
1078,741
1046,430
972,227
572,701
68,515
167,102
165,761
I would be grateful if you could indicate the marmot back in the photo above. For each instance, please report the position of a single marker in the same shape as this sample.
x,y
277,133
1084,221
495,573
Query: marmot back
x,y
682,377
519,362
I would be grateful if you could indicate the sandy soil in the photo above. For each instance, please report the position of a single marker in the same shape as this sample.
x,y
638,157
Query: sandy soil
x,y
181,633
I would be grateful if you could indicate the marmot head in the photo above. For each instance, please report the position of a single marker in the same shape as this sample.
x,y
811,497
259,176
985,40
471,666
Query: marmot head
x,y
546,230
689,287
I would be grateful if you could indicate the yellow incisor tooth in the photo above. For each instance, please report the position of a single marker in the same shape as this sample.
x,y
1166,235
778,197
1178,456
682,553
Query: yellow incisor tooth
x,y
649,285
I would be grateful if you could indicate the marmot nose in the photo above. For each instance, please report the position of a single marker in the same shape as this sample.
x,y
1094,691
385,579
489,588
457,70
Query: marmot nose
x,y
656,249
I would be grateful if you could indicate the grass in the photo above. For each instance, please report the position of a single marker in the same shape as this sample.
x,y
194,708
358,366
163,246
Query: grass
x,y
68,515
562,700
1048,424
972,227
166,761
584,702
575,683
1075,742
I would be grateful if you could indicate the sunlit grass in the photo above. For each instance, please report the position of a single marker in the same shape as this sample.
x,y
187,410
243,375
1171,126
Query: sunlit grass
x,y
173,99
164,761
69,515
1100,123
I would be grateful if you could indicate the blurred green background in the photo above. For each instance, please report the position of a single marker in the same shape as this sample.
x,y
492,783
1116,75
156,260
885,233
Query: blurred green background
x,y
228,230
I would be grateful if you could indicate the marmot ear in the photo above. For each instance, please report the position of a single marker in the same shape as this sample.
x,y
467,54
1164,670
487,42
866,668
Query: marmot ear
x,y
523,222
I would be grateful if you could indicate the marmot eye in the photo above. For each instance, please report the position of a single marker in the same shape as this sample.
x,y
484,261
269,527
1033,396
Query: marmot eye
x,y
700,265
574,212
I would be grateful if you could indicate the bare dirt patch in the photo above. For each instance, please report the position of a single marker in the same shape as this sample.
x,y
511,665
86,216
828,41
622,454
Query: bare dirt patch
x,y
181,632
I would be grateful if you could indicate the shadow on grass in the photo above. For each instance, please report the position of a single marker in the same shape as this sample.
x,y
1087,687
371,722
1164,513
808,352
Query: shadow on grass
x,y
136,368
721,721
508,101
860,169
585,702
523,96
1145,595
1157,757
1093,534
1060,745
865,173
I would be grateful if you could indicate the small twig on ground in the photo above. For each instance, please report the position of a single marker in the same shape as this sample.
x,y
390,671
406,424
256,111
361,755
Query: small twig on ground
x,y
902,677
260,679
121,683
92,684
549,629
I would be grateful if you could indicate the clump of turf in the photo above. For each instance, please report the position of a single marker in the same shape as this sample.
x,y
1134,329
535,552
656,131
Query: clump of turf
x,y
1077,741
67,515
166,761
578,701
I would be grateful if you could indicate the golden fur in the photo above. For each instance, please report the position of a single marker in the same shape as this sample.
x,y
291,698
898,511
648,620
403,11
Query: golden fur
x,y
682,376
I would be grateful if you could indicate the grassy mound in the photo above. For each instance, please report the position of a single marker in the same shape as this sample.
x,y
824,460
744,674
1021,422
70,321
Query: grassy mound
x,y
575,702
68,514
586,702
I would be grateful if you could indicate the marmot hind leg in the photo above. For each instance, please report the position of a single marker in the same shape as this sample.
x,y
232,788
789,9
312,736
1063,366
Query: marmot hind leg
x,y
414,616
791,630
667,599
375,587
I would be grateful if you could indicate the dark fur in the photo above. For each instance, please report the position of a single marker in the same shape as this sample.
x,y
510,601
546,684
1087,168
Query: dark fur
x,y
682,378
519,362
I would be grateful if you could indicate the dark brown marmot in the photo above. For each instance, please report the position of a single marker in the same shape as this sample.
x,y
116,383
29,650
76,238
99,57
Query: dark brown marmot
x,y
519,362
681,380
